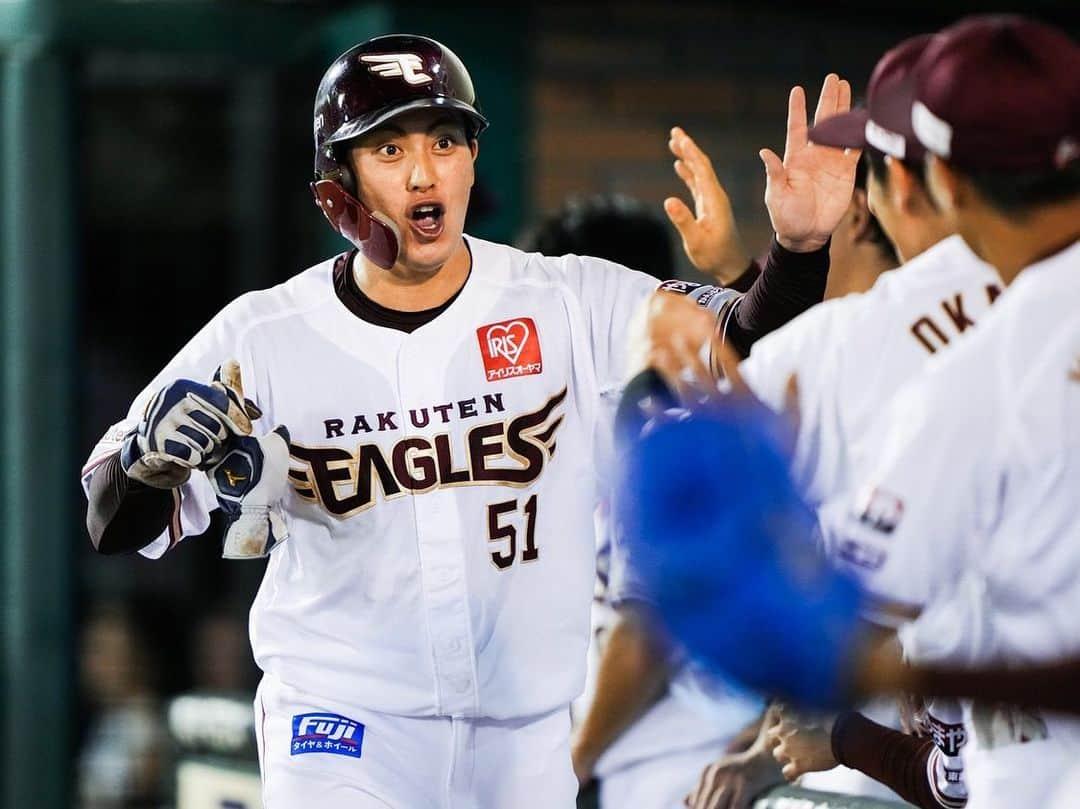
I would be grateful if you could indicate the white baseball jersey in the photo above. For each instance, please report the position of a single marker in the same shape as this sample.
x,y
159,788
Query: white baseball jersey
x,y
669,727
441,558
851,354
970,517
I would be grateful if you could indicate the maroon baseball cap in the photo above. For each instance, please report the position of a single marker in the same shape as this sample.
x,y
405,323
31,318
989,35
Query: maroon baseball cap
x,y
1000,92
885,122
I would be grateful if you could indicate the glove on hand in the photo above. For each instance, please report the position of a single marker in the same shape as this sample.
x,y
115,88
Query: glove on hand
x,y
250,482
184,427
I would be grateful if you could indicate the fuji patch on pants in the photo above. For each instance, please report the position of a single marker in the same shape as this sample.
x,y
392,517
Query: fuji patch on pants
x,y
326,733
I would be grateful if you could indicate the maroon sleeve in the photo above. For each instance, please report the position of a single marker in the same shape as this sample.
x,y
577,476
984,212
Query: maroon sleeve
x,y
1056,688
789,284
746,280
123,515
895,759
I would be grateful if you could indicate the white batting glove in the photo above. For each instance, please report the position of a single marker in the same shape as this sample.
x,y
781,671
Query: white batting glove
x,y
184,427
250,482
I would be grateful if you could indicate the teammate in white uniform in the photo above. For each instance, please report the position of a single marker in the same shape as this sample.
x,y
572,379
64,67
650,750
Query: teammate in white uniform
x,y
657,758
849,355
968,516
641,744
423,629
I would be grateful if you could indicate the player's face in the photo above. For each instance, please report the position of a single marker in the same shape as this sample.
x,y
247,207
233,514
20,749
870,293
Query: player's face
x,y
418,170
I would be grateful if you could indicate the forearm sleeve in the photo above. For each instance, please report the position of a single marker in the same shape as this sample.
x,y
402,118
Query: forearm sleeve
x,y
1056,691
746,280
123,515
895,759
789,284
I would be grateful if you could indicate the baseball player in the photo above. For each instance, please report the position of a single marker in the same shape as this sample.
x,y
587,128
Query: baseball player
x,y
967,515
423,618
850,355
423,628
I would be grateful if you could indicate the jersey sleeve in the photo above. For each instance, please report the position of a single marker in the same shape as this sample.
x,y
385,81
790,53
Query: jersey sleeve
x,y
927,487
610,296
624,582
808,349
220,340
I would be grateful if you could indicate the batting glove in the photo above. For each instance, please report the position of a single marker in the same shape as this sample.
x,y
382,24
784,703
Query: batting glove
x,y
185,426
250,482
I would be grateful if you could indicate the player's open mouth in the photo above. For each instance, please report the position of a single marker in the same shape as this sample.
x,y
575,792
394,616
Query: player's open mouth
x,y
426,219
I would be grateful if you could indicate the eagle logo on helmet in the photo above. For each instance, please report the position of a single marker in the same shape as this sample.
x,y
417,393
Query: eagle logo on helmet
x,y
405,66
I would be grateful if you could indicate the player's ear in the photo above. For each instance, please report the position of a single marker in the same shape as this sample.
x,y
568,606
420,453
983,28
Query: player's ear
x,y
948,189
901,184
859,212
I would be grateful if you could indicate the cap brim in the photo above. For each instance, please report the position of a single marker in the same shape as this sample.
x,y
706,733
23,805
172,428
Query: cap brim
x,y
844,131
366,124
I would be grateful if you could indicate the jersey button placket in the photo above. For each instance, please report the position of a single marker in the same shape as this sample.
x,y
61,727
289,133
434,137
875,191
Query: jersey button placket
x,y
438,544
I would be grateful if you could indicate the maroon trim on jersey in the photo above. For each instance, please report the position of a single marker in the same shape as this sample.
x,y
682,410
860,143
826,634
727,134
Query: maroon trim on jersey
x,y
345,287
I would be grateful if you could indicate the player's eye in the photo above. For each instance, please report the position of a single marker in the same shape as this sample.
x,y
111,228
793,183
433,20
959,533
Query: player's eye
x,y
389,150
444,142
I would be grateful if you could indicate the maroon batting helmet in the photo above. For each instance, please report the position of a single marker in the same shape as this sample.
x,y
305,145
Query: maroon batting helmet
x,y
364,87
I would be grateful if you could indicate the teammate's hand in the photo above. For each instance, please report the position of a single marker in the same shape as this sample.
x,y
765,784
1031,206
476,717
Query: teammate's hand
x,y
184,426
801,744
736,780
250,482
808,192
677,332
709,234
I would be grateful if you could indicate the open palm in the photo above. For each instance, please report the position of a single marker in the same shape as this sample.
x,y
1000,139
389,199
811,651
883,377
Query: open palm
x,y
709,234
808,191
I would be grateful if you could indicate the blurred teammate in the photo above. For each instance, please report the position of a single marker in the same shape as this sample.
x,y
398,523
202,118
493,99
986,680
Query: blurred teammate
x,y
859,252
643,744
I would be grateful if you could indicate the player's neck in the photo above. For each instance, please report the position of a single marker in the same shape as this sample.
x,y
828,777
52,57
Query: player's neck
x,y
858,274
1010,244
407,290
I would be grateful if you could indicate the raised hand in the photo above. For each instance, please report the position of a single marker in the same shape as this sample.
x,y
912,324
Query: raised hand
x,y
709,234
808,191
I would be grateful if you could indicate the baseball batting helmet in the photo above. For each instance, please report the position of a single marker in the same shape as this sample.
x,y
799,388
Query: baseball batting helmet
x,y
364,87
